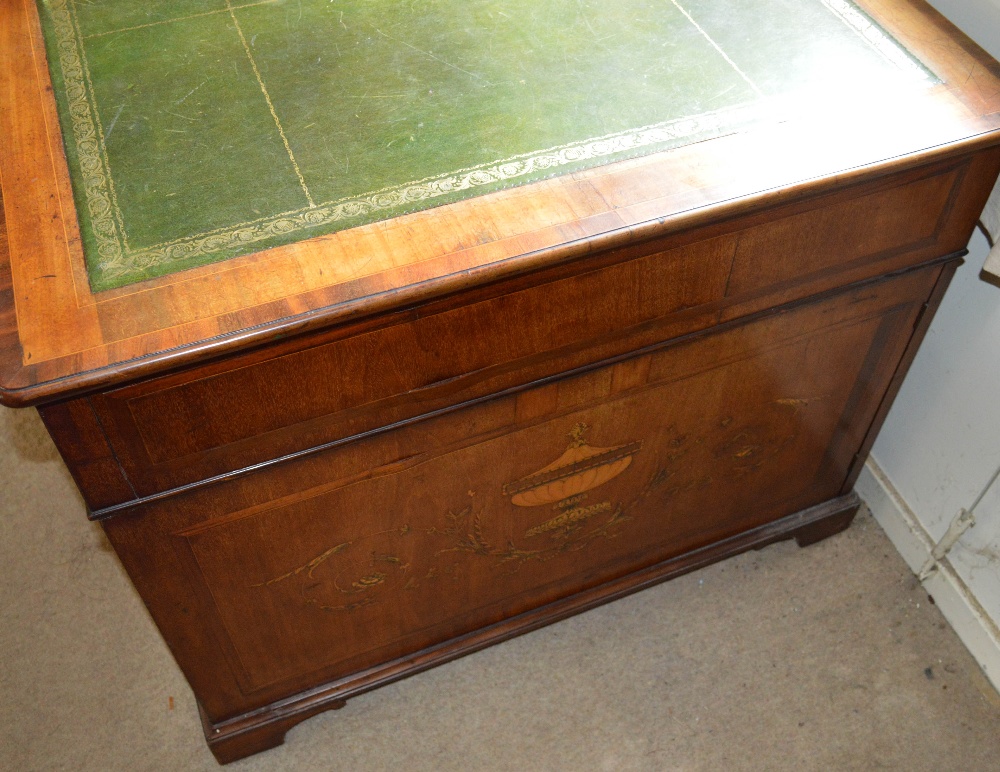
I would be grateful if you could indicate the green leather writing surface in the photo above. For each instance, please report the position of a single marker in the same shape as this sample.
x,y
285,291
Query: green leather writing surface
x,y
198,130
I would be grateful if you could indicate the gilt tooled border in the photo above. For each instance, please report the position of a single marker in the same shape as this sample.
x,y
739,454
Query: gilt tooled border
x,y
448,183
105,219
877,38
117,260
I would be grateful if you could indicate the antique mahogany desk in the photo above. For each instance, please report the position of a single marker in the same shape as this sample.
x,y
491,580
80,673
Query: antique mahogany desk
x,y
377,333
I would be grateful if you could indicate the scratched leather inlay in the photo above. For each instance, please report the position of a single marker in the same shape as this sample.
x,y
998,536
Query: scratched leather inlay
x,y
204,129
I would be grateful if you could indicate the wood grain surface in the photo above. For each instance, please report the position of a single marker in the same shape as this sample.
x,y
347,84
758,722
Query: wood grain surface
x,y
58,338
412,537
328,465
217,418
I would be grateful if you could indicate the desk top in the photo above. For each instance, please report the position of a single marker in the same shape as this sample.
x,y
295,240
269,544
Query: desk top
x,y
235,188
202,130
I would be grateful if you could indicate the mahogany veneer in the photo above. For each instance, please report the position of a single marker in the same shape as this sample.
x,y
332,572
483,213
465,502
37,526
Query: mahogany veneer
x,y
337,463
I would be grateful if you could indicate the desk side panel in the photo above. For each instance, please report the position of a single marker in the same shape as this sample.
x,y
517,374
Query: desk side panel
x,y
326,568
81,441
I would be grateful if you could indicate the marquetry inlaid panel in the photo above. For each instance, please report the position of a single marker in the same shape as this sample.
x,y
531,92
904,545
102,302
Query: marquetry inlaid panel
x,y
357,555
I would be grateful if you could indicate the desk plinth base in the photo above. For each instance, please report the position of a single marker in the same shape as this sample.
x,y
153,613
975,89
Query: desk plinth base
x,y
264,729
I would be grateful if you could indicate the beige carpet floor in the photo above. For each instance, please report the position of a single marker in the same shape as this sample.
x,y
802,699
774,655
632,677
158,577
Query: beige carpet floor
x,y
826,658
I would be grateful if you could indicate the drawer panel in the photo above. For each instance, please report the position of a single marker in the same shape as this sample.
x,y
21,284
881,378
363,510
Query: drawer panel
x,y
178,430
883,228
321,568
899,220
170,433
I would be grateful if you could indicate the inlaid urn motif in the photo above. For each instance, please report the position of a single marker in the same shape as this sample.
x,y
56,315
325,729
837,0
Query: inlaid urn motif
x,y
580,469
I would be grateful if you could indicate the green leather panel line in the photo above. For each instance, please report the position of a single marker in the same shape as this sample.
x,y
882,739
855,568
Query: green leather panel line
x,y
198,130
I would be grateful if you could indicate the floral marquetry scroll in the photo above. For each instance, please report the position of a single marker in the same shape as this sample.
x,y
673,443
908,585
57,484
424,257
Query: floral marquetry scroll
x,y
352,574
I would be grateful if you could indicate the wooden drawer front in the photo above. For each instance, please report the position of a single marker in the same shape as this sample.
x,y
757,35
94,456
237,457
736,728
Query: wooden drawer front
x,y
181,429
171,432
317,569
828,245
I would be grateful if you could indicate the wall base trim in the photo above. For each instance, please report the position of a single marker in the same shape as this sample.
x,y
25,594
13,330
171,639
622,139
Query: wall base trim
x,y
952,595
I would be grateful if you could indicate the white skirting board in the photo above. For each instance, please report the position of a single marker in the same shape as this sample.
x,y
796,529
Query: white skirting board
x,y
952,595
